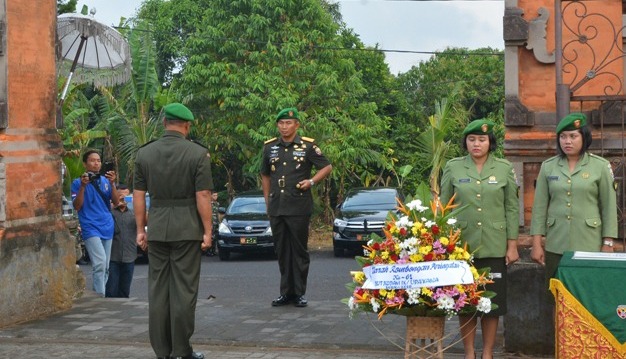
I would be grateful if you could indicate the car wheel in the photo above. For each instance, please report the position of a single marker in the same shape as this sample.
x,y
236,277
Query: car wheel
x,y
224,254
338,251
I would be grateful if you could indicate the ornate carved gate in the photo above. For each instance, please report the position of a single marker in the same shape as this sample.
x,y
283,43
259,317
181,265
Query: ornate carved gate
x,y
590,72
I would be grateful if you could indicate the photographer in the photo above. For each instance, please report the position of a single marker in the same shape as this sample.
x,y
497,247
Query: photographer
x,y
92,194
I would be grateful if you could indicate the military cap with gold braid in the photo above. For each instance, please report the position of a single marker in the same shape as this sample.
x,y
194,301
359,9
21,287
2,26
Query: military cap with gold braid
x,y
177,111
288,113
571,122
478,127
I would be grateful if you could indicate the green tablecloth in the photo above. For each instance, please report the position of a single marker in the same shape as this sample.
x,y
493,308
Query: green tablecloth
x,y
600,286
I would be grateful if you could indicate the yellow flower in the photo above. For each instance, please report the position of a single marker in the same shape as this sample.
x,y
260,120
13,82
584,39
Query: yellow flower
x,y
384,255
474,272
427,292
391,294
444,241
383,292
359,277
416,258
426,249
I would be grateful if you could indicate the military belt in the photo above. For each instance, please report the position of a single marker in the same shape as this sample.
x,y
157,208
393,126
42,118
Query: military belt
x,y
178,202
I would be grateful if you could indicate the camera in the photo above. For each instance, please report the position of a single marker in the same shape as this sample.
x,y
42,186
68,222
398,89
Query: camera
x,y
93,176
106,167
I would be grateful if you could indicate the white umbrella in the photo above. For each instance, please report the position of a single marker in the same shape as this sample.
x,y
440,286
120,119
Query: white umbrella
x,y
99,50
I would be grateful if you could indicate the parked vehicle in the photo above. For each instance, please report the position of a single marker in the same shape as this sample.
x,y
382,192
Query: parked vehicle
x,y
245,226
362,213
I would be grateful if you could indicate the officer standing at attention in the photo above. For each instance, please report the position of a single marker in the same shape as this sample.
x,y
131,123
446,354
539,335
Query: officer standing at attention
x,y
177,174
287,183
490,224
575,199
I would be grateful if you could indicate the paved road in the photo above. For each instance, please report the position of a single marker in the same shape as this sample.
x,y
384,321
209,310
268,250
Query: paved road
x,y
247,327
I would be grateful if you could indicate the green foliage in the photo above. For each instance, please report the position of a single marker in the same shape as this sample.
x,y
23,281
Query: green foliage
x,y
66,6
449,89
244,60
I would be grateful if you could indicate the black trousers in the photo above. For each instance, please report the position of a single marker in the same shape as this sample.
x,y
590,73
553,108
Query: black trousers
x,y
291,237
173,280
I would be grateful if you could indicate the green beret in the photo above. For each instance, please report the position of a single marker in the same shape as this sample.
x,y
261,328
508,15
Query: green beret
x,y
289,112
571,122
177,111
478,127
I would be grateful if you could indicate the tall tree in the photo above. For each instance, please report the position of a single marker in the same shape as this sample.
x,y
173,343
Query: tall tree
x,y
244,60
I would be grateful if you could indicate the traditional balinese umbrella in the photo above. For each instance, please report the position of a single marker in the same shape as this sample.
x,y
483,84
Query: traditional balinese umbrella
x,y
101,51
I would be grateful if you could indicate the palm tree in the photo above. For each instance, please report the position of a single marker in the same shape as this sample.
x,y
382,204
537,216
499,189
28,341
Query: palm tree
x,y
434,149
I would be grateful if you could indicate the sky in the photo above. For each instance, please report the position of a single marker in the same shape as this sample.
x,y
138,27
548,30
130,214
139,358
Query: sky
x,y
414,26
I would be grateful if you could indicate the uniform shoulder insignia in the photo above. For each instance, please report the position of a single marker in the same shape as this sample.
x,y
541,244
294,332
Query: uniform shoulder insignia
x,y
598,157
147,143
270,140
308,139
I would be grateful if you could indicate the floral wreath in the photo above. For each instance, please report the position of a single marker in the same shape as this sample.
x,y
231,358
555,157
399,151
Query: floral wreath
x,y
420,234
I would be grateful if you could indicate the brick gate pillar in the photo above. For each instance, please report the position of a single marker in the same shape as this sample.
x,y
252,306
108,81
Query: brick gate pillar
x,y
37,258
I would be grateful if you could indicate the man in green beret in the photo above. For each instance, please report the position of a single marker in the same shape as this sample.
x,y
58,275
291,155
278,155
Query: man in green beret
x,y
287,186
177,174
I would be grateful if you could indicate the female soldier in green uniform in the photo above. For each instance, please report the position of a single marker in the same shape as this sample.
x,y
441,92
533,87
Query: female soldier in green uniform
x,y
575,202
490,223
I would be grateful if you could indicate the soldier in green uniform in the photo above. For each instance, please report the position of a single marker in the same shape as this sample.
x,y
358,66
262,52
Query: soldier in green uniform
x,y
177,174
489,224
575,200
287,182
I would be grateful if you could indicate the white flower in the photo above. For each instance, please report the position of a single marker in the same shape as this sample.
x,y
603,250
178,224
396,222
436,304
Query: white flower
x,y
451,221
445,302
416,205
404,222
484,305
351,303
429,224
375,305
414,295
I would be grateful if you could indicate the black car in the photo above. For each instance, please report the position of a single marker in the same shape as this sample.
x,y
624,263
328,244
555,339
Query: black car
x,y
362,213
245,226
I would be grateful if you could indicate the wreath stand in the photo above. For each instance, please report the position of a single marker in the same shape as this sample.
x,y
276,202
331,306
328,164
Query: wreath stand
x,y
423,328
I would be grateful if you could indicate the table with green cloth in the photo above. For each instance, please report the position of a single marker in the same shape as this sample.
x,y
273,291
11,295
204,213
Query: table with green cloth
x,y
590,293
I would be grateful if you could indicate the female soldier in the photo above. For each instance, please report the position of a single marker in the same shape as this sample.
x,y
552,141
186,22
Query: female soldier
x,y
489,224
575,202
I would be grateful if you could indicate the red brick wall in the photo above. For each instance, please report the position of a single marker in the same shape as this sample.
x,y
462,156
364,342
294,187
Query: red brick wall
x,y
37,260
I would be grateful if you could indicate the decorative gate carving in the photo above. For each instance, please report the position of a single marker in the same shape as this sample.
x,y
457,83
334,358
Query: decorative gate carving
x,y
590,68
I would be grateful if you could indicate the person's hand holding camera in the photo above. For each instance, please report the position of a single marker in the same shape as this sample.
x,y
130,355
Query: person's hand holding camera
x,y
85,178
111,176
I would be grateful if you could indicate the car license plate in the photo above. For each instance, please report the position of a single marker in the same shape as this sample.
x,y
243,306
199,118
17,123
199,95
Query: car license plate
x,y
247,240
362,237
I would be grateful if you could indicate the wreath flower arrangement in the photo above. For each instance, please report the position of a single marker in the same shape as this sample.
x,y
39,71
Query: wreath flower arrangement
x,y
419,234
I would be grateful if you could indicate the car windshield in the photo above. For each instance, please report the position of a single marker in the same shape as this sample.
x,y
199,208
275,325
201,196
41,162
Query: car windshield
x,y
247,205
382,200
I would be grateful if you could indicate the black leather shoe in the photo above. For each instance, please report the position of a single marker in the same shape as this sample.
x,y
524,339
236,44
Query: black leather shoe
x,y
193,355
301,301
280,301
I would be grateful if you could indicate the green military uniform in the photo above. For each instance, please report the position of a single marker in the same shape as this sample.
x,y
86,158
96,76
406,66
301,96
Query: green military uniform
x,y
492,214
172,169
290,208
574,211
